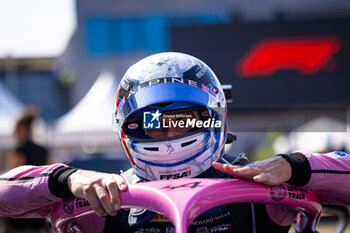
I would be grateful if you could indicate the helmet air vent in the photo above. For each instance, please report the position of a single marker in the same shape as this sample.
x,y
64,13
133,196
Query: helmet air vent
x,y
188,143
151,148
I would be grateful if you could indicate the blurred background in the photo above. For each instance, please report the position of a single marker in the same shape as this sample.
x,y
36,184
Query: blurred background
x,y
287,62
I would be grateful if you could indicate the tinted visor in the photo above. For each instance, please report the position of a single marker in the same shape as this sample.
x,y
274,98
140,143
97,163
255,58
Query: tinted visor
x,y
166,121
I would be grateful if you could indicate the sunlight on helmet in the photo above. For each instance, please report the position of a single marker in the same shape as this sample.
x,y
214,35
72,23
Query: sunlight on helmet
x,y
170,116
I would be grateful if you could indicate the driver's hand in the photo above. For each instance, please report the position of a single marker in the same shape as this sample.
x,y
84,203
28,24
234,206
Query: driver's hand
x,y
272,171
100,189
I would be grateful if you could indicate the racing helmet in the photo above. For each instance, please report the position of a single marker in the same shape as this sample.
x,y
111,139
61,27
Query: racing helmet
x,y
171,116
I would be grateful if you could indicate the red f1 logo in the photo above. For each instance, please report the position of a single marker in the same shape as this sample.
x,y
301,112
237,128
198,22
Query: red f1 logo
x,y
308,55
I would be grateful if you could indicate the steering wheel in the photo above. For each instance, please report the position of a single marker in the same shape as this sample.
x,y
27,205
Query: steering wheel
x,y
183,200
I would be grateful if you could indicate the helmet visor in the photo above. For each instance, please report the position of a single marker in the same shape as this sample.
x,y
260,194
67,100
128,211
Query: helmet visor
x,y
165,121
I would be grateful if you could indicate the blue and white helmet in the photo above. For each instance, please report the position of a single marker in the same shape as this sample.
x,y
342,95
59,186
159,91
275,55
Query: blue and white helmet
x,y
171,116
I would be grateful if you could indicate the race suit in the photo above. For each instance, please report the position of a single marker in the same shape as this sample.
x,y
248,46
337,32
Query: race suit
x,y
30,191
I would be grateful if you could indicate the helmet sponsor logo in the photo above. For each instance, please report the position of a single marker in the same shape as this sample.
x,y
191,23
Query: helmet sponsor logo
x,y
201,72
213,90
175,175
133,126
205,113
153,82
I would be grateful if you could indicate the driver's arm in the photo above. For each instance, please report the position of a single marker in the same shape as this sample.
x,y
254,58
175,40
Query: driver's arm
x,y
29,191
328,174
25,192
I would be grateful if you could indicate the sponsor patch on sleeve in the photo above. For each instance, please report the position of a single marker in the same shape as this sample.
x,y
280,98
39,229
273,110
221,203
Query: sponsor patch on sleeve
x,y
337,154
